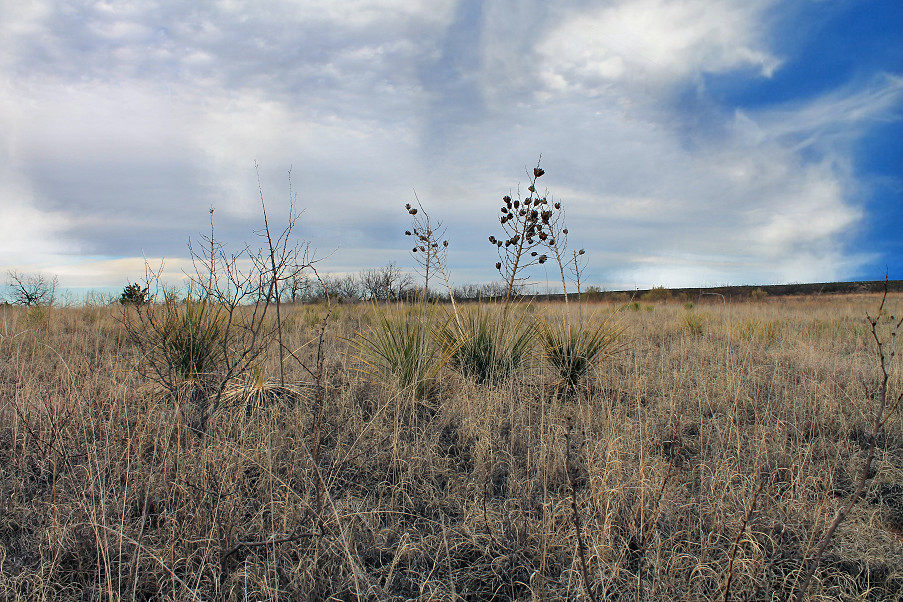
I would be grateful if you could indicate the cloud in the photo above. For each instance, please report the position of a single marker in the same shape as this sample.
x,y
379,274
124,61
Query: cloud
x,y
123,124
643,43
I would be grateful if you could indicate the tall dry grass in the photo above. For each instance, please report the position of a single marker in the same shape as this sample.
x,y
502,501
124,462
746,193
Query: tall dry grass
x,y
693,456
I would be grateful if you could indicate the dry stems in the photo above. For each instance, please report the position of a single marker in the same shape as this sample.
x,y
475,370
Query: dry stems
x,y
105,495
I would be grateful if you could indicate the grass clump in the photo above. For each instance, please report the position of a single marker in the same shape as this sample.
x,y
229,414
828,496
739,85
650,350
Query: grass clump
x,y
398,349
487,345
694,322
192,332
572,348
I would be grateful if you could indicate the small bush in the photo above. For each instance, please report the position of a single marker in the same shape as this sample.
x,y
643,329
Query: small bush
x,y
592,293
758,294
134,294
399,350
658,293
485,345
573,348
694,322
192,332
37,316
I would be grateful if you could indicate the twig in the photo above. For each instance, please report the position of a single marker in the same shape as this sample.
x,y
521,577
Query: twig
x,y
880,417
225,554
736,546
581,545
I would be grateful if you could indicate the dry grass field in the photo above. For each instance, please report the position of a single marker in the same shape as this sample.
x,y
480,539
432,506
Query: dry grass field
x,y
705,459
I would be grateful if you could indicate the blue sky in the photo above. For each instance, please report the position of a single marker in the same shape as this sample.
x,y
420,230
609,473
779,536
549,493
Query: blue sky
x,y
693,142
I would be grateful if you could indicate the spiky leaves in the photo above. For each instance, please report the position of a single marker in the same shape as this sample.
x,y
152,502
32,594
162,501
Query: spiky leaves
x,y
398,350
571,349
487,345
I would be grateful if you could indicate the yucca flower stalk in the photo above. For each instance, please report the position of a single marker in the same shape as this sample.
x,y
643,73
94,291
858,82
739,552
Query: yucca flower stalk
x,y
526,231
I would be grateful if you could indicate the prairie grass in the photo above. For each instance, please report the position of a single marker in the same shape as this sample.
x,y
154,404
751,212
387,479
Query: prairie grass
x,y
105,494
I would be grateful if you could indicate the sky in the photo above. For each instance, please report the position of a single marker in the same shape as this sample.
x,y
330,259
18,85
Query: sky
x,y
692,142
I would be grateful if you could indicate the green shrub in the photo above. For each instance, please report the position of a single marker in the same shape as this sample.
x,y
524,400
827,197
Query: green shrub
x,y
192,335
488,345
592,293
134,294
37,316
694,322
572,348
398,348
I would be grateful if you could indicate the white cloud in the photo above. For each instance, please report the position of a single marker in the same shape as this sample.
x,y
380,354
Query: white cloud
x,y
651,43
123,123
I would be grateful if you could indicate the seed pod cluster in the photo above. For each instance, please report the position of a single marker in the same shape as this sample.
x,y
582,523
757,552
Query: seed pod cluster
x,y
528,228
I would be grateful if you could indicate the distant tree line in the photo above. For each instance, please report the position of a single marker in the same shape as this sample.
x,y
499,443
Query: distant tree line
x,y
383,284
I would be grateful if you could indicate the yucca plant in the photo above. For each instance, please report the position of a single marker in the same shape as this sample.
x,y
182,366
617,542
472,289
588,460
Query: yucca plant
x,y
572,348
192,334
485,345
398,349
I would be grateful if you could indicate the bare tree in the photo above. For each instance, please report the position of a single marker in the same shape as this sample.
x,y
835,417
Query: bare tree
x,y
345,287
31,289
387,283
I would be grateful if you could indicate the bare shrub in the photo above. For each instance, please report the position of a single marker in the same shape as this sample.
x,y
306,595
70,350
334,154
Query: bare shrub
x,y
29,290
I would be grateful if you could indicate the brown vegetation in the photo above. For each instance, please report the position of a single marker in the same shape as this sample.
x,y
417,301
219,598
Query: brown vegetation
x,y
694,464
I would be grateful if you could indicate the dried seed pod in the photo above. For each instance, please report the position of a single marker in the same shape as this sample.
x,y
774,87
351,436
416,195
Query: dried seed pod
x,y
407,206
407,233
543,258
507,199
492,239
516,204
534,254
414,250
504,210
565,231
444,243
498,265
537,172
581,252
413,211
557,205
531,188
